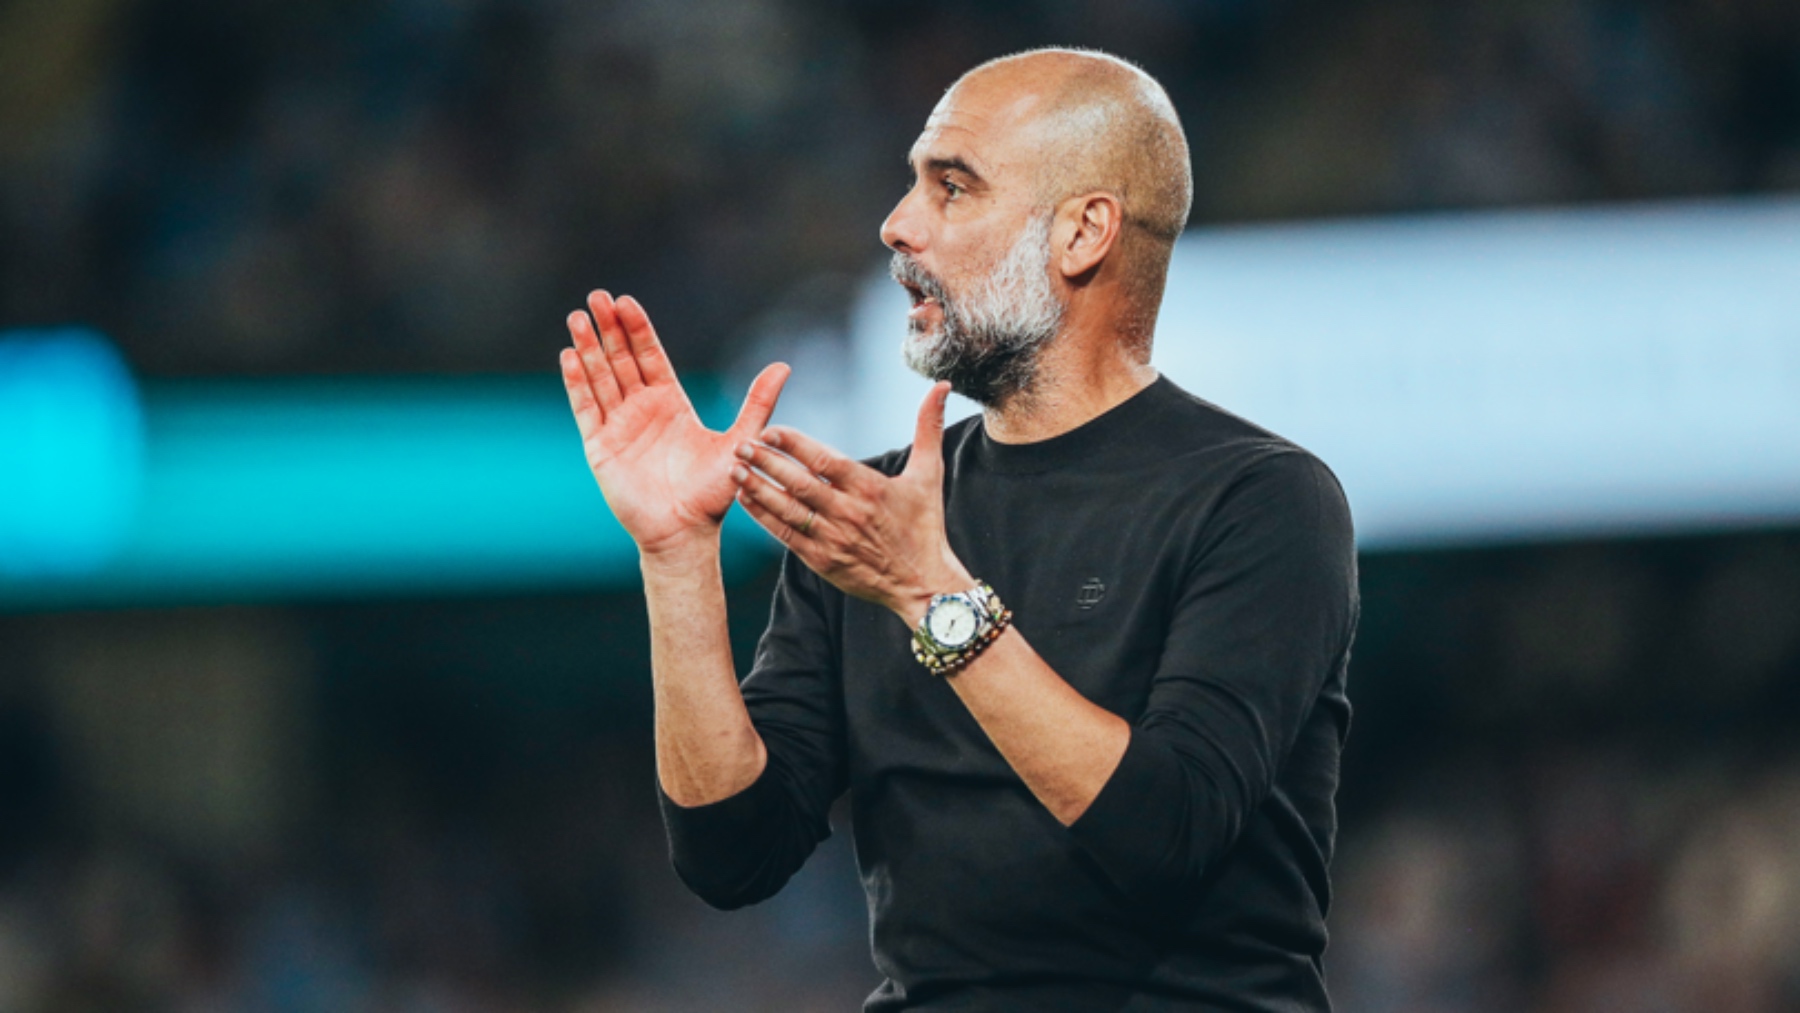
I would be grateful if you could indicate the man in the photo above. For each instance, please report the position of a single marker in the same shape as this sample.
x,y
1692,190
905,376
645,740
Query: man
x,y
1079,662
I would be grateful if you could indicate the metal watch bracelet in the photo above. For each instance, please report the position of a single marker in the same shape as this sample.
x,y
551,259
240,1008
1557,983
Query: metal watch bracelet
x,y
941,662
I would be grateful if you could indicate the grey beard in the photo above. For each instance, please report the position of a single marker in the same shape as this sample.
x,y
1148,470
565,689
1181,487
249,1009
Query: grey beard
x,y
988,344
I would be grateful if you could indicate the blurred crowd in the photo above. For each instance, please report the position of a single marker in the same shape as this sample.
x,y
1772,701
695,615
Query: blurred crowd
x,y
1574,785
1577,880
1571,787
436,807
429,185
1586,880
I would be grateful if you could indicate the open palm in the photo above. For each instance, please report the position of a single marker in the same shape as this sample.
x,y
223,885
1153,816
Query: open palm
x,y
666,477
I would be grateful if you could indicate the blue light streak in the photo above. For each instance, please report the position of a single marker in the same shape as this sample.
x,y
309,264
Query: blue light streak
x,y
297,488
71,454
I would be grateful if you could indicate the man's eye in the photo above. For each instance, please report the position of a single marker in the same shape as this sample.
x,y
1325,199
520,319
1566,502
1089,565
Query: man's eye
x,y
952,188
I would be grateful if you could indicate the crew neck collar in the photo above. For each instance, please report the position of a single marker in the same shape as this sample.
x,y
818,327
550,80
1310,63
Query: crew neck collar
x,y
1103,434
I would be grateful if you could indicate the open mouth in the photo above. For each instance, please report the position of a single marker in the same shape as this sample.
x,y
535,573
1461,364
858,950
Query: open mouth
x,y
920,289
924,307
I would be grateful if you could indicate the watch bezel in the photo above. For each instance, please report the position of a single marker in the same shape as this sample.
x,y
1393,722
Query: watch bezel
x,y
944,601
991,618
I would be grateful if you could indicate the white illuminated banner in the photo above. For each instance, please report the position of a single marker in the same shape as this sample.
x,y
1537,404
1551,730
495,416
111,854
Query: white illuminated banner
x,y
1476,377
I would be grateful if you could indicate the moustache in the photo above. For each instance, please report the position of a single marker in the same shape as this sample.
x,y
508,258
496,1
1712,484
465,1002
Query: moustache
x,y
907,272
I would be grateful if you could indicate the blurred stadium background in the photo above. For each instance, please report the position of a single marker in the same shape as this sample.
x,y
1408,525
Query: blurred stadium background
x,y
323,677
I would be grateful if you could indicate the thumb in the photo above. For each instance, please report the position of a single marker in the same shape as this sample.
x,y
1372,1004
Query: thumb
x,y
928,438
759,404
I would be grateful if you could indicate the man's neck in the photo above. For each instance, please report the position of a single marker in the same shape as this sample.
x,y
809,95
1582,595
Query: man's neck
x,y
1073,386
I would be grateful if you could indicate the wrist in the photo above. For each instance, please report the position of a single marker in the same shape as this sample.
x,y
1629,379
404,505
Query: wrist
x,y
681,553
958,627
950,580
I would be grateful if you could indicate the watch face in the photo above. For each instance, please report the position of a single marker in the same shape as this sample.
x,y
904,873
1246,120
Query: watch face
x,y
952,622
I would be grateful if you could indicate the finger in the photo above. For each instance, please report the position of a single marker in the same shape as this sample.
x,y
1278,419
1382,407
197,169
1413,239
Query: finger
x,y
820,459
593,360
588,414
776,511
928,438
759,403
652,362
801,484
770,523
778,501
618,347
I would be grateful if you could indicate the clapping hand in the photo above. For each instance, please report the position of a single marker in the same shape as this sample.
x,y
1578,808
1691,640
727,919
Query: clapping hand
x,y
878,538
666,477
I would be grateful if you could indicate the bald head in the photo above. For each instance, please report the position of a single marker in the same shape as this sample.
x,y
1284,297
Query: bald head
x,y
1097,123
1077,154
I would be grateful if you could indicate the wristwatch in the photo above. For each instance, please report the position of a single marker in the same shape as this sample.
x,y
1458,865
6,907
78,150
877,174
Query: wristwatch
x,y
957,627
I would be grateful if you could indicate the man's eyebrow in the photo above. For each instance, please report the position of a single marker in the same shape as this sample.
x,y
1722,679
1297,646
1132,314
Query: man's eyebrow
x,y
950,163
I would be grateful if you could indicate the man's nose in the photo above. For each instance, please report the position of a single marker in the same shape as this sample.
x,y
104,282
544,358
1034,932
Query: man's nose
x,y
901,232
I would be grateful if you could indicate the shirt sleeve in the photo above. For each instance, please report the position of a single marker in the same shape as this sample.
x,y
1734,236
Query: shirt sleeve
x,y
743,849
1265,614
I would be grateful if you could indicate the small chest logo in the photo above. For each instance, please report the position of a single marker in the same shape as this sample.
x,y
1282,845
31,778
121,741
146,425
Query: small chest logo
x,y
1090,593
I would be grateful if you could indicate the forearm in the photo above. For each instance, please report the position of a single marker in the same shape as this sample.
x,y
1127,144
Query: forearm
x,y
706,747
883,540
1062,745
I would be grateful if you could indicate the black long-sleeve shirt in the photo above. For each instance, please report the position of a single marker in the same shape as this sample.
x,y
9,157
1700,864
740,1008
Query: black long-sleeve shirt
x,y
1178,566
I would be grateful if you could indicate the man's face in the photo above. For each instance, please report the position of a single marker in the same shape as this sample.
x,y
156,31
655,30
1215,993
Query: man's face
x,y
974,252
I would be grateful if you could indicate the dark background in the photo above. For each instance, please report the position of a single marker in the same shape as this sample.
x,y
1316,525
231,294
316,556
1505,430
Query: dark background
x,y
1570,785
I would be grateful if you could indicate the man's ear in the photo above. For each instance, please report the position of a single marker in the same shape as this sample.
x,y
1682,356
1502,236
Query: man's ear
x,y
1087,229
